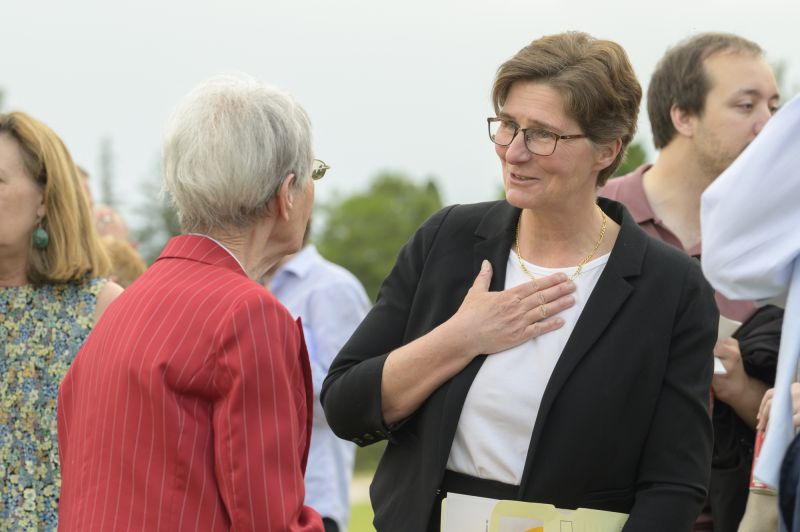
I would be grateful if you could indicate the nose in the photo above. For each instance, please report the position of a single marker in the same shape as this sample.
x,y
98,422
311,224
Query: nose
x,y
764,114
517,152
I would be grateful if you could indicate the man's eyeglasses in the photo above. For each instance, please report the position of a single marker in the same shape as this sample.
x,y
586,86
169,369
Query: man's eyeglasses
x,y
318,169
539,141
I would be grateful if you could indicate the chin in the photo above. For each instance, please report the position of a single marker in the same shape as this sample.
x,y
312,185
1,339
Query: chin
x,y
520,200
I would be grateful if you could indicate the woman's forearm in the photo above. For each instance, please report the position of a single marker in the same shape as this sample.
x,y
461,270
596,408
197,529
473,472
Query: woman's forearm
x,y
413,372
487,322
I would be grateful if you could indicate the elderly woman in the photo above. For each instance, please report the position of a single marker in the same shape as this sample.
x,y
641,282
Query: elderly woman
x,y
52,291
189,408
541,348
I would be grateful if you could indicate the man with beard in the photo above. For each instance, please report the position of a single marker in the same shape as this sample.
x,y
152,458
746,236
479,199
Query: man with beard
x,y
708,99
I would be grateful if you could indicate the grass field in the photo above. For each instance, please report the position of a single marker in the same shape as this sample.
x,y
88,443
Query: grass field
x,y
361,517
360,510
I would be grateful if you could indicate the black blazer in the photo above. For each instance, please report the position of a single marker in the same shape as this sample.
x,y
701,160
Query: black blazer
x,y
623,424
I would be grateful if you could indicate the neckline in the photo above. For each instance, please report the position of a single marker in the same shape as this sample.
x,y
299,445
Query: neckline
x,y
545,270
18,287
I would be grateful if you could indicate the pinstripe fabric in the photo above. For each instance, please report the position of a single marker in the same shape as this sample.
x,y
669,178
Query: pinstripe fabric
x,y
188,408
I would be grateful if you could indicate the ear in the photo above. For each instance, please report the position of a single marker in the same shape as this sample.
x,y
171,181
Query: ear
x,y
606,153
683,121
41,210
284,199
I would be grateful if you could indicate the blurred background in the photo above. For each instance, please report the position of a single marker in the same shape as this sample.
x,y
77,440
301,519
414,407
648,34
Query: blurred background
x,y
398,94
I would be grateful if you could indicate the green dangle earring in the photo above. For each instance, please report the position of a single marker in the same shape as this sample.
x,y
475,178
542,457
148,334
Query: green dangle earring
x,y
40,238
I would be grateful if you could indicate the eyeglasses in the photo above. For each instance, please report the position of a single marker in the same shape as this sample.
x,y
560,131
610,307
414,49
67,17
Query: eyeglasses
x,y
539,141
318,169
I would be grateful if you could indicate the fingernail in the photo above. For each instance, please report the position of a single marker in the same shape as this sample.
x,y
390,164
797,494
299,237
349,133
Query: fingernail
x,y
485,265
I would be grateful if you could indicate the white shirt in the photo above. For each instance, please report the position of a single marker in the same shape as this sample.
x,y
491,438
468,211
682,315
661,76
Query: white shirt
x,y
496,423
751,250
331,303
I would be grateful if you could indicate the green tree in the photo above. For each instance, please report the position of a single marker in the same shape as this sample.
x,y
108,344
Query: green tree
x,y
635,156
364,232
159,219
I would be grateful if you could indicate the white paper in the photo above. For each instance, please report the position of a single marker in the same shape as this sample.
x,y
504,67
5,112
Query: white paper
x,y
518,516
516,524
465,513
727,328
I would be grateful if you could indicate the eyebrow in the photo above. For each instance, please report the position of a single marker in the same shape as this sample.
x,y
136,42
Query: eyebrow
x,y
757,93
536,123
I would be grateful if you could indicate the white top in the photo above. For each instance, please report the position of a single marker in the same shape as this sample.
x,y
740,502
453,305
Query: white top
x,y
751,250
497,420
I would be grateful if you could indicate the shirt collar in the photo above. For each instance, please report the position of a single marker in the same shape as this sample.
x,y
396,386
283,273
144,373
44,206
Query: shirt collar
x,y
223,246
302,262
635,198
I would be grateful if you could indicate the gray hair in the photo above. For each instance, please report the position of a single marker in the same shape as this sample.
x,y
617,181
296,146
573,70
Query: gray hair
x,y
228,146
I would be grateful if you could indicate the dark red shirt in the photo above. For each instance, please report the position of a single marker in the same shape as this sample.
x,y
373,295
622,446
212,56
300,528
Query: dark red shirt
x,y
629,191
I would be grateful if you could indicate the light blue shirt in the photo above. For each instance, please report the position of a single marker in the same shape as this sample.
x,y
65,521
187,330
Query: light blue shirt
x,y
331,303
751,250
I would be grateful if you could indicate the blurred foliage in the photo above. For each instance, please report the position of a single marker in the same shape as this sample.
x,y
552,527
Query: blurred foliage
x,y
159,219
367,458
635,157
364,232
361,517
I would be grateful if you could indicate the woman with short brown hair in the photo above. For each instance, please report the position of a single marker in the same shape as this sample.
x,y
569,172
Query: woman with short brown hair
x,y
541,348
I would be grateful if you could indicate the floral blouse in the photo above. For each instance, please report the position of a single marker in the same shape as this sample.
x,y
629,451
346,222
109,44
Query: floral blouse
x,y
41,330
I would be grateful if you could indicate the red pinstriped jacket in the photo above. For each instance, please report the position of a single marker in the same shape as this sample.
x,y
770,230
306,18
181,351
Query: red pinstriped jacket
x,y
189,406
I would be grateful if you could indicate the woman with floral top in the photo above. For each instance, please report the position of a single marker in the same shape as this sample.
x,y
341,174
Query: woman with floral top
x,y
52,291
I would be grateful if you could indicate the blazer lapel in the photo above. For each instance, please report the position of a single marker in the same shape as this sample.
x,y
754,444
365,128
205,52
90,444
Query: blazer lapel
x,y
607,298
493,239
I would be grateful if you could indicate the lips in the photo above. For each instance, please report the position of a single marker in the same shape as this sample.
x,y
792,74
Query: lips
x,y
522,177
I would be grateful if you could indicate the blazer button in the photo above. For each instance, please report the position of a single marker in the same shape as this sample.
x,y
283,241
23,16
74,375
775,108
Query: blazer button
x,y
369,437
358,441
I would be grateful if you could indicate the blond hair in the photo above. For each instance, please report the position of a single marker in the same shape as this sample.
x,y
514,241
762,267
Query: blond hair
x,y
74,250
126,264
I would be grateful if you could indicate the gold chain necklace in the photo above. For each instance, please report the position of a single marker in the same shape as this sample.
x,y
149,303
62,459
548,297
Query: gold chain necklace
x,y
581,264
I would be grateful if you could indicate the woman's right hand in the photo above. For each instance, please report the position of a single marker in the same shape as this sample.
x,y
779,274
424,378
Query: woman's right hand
x,y
485,323
490,322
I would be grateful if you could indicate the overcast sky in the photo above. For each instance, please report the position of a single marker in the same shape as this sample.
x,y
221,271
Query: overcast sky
x,y
388,85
